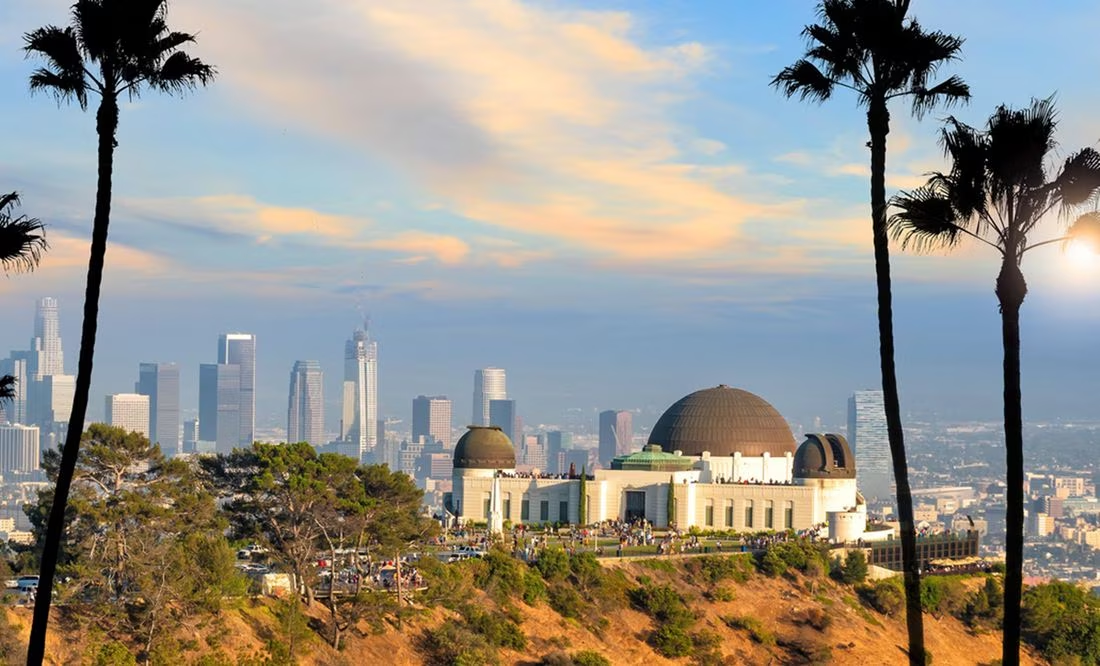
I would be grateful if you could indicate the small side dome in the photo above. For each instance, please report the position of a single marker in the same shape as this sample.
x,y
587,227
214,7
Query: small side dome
x,y
824,457
484,447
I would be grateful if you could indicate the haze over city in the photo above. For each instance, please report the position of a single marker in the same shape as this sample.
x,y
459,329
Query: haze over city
x,y
605,199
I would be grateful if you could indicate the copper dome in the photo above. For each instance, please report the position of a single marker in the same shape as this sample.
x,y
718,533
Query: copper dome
x,y
824,457
484,447
723,421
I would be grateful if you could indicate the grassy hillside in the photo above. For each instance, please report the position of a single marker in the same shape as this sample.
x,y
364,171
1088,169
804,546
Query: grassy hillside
x,y
704,610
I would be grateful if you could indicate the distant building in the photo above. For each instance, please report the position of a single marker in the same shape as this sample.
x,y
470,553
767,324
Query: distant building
x,y
503,413
50,404
359,416
161,382
190,435
306,404
489,384
616,435
871,444
219,407
46,356
239,349
15,409
431,417
20,449
556,444
129,411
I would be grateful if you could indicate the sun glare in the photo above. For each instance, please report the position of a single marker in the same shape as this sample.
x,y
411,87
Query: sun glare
x,y
1082,259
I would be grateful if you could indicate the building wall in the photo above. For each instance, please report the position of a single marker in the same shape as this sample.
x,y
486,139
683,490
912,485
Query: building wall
x,y
20,449
764,468
804,502
129,411
870,444
489,384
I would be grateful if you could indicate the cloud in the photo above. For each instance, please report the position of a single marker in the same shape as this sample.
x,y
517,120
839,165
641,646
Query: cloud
x,y
65,264
551,123
446,249
234,215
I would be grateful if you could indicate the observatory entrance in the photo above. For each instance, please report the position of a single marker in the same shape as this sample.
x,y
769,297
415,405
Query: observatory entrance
x,y
635,505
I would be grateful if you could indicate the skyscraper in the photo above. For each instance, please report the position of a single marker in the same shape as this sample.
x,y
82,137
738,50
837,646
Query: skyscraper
x,y
556,443
239,349
305,420
19,450
220,407
432,418
161,382
616,435
870,444
489,385
129,411
46,356
50,404
15,409
503,413
359,421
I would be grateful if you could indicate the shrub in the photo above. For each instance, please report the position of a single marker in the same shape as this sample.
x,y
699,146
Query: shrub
x,y
590,658
753,626
671,640
854,569
497,629
566,601
943,595
455,645
771,563
553,564
887,596
714,569
721,594
661,602
807,650
706,649
534,590
814,617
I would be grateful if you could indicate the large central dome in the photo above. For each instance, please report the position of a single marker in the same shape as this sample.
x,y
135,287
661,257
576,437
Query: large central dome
x,y
724,421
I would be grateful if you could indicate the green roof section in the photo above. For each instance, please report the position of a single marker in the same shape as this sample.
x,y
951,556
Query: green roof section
x,y
652,459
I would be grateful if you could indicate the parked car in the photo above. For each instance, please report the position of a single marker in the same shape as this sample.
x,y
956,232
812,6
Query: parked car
x,y
26,582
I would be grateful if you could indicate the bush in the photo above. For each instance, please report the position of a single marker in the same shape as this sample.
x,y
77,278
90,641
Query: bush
x,y
771,563
566,601
854,569
590,658
497,629
455,645
721,594
671,640
714,569
814,617
943,595
553,564
887,596
661,602
753,626
1063,622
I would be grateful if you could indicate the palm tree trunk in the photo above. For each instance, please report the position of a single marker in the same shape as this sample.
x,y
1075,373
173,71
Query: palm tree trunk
x,y
878,122
106,126
1011,290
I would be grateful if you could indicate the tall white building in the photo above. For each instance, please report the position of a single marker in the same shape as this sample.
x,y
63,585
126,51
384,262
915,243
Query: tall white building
x,y
240,349
161,382
305,420
15,409
129,411
46,356
359,419
489,385
871,444
49,405
19,449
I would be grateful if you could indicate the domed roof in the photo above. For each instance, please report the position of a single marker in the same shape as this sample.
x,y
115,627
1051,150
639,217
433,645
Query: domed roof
x,y
484,447
724,421
824,457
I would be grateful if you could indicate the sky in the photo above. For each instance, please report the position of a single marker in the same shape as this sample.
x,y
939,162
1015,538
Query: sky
x,y
605,198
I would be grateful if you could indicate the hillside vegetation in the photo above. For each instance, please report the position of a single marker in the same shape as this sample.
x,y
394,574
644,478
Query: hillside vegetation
x,y
574,610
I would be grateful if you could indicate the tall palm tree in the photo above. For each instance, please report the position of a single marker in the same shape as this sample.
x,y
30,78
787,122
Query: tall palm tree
x,y
22,241
872,48
111,48
1001,185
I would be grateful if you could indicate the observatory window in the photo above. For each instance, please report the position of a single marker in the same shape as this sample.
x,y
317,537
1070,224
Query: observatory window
x,y
544,510
525,510
748,514
563,511
507,508
788,515
709,513
729,513
769,515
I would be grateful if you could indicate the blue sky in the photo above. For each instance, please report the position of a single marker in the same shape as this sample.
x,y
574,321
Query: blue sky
x,y
605,198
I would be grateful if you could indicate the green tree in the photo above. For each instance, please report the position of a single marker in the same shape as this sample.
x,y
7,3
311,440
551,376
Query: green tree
x,y
143,546
872,48
22,241
1063,621
582,498
274,493
854,569
1002,184
111,48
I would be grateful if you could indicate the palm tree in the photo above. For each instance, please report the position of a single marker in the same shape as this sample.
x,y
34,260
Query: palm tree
x,y
872,48
111,48
22,241
1002,184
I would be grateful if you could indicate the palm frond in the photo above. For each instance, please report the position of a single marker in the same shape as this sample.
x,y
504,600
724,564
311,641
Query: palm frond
x,y
22,238
181,72
7,388
924,220
1019,142
1086,230
1079,181
947,93
63,72
805,80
